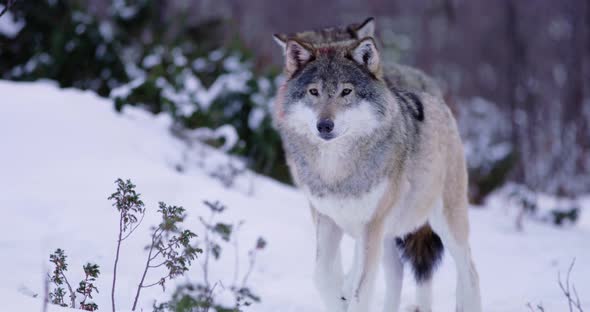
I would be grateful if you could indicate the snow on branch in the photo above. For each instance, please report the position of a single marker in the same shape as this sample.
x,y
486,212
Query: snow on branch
x,y
9,4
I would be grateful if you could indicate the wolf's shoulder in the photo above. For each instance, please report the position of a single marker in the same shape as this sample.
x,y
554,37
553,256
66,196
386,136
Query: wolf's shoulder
x,y
406,78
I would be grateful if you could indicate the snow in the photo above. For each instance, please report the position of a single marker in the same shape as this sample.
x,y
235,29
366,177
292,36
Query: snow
x,y
256,117
485,131
232,63
189,94
106,30
63,149
179,58
9,25
510,197
199,64
231,82
226,132
123,10
216,55
152,60
124,90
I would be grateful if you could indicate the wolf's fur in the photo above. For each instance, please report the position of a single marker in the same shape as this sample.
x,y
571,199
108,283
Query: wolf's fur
x,y
332,34
423,249
392,167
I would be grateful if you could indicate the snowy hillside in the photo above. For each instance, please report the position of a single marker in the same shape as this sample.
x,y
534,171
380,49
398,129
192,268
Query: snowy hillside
x,y
63,149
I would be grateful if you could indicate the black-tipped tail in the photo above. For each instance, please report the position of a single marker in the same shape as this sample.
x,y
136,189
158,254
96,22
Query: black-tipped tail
x,y
423,249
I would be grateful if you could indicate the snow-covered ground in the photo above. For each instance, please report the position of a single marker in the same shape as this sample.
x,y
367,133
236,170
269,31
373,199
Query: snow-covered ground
x,y
61,151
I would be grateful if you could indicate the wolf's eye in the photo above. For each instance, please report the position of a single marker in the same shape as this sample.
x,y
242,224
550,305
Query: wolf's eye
x,y
314,92
346,92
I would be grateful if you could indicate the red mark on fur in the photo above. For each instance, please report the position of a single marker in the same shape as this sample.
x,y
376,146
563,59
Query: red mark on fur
x,y
329,51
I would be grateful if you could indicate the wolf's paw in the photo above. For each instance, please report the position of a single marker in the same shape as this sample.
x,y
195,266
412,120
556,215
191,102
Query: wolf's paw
x,y
415,308
343,306
347,287
339,305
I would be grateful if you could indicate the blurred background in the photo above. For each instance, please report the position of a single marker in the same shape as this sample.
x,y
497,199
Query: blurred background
x,y
516,73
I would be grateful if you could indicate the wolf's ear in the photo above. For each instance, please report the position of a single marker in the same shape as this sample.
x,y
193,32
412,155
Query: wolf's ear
x,y
366,29
366,54
296,56
281,40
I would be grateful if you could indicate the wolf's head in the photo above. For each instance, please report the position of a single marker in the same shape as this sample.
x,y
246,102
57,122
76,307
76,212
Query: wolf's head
x,y
332,90
331,34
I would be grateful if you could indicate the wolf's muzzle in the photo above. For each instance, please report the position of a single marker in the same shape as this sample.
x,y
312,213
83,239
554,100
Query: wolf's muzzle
x,y
325,126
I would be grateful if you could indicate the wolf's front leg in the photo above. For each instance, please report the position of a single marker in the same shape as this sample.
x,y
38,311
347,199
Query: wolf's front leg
x,y
328,271
350,276
369,252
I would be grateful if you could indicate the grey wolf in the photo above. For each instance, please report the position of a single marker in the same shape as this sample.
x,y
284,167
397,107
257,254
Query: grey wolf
x,y
378,155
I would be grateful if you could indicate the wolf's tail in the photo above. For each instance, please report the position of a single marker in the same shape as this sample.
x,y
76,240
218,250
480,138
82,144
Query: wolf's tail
x,y
423,249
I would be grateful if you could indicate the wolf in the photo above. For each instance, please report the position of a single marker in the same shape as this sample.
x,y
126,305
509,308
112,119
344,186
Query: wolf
x,y
377,153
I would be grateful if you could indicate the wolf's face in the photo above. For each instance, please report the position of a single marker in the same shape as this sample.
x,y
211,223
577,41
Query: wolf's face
x,y
332,92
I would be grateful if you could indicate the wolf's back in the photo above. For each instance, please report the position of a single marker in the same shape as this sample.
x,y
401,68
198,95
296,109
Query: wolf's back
x,y
410,79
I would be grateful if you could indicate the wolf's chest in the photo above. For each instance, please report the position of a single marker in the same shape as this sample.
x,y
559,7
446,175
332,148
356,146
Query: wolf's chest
x,y
350,212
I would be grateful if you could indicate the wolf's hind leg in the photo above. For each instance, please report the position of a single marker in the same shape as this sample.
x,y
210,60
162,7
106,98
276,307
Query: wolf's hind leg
x,y
394,273
328,274
453,230
424,295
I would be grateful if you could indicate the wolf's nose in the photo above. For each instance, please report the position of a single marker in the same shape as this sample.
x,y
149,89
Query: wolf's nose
x,y
325,126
